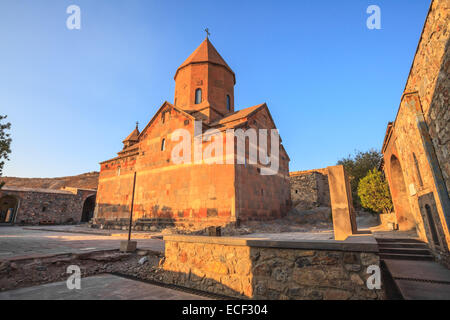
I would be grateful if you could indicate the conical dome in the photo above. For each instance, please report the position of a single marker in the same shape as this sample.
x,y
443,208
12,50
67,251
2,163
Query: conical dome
x,y
205,53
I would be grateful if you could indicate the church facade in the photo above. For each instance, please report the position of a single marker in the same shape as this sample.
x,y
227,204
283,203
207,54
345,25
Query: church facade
x,y
218,188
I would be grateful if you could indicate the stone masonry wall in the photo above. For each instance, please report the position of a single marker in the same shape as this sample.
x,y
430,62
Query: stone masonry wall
x,y
51,206
417,152
252,272
310,188
429,76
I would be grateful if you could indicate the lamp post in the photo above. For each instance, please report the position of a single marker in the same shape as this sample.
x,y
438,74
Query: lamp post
x,y
128,245
132,207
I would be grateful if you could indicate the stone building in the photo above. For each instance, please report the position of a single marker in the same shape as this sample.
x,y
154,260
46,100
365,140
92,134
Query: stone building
x,y
27,206
416,146
202,191
310,188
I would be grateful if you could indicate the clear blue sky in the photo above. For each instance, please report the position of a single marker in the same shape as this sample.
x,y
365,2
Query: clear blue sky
x,y
72,96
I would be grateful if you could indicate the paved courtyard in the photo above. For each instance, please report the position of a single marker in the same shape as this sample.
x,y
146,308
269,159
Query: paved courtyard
x,y
17,242
101,287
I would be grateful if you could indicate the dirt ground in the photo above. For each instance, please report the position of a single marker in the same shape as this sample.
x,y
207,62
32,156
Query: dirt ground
x,y
145,264
313,220
30,272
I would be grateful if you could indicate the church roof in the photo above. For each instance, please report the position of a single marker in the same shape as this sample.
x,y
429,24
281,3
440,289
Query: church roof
x,y
238,115
133,136
205,53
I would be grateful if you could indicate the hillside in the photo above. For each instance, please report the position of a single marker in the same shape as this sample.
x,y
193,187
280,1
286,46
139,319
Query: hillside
x,y
85,181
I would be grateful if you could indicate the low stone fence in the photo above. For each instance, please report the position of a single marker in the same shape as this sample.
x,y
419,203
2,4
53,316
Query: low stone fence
x,y
265,269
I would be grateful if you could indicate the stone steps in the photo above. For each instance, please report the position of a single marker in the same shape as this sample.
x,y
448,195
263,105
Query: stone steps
x,y
410,272
402,256
404,249
404,245
416,280
399,240
416,251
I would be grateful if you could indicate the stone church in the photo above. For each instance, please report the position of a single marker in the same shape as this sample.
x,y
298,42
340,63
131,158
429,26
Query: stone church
x,y
195,192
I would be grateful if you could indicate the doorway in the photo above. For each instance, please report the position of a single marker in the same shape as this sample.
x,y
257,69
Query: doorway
x,y
88,209
432,223
8,208
402,208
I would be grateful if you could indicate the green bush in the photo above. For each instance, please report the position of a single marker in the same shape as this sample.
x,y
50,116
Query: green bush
x,y
373,190
357,166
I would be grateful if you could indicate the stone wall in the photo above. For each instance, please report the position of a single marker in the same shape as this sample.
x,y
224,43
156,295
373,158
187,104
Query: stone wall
x,y
257,269
37,206
416,146
310,188
429,76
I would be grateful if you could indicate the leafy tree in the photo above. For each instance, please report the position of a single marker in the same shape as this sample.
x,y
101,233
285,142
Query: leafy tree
x,y
373,190
5,144
357,167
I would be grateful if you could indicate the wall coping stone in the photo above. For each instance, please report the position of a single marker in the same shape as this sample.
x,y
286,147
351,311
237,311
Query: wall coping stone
x,y
358,243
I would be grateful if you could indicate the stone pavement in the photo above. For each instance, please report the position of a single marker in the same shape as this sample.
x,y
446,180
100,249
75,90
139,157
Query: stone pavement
x,y
101,287
17,242
84,228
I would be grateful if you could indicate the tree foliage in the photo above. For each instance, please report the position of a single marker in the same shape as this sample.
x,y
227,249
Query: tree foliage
x,y
357,167
5,143
373,190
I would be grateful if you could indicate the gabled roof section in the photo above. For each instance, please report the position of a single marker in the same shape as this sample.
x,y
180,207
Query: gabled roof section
x,y
387,135
159,110
206,53
244,113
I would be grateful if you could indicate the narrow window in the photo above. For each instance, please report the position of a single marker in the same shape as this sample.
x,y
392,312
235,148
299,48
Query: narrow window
x,y
163,144
419,176
433,230
228,103
198,96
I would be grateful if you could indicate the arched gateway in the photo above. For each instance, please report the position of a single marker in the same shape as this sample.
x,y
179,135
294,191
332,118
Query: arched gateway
x,y
402,207
88,209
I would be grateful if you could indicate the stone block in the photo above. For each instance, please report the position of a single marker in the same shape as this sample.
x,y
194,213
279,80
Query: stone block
x,y
128,246
344,219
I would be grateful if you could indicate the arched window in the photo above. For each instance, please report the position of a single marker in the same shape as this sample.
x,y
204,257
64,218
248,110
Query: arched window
x,y
228,103
163,144
198,96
